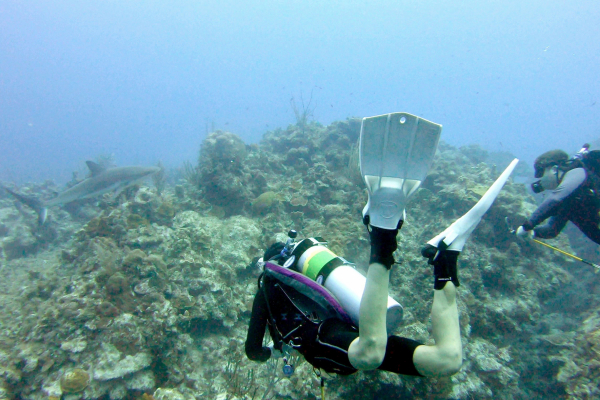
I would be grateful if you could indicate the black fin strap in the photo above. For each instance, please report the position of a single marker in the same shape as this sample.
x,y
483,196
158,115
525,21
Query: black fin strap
x,y
383,245
444,264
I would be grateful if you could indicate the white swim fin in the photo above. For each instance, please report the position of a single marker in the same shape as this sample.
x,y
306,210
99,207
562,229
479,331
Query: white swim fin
x,y
396,152
457,234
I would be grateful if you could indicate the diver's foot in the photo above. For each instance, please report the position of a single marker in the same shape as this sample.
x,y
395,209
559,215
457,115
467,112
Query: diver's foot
x,y
383,245
444,265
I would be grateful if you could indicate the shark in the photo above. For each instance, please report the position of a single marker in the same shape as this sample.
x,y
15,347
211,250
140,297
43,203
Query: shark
x,y
102,180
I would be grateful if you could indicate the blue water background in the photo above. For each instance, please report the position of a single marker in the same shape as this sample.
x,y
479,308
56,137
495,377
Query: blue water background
x,y
146,80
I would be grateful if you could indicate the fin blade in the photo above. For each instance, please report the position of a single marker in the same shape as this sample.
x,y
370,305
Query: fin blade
x,y
396,152
456,235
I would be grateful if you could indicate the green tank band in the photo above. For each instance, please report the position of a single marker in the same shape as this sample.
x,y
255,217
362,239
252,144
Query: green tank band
x,y
316,262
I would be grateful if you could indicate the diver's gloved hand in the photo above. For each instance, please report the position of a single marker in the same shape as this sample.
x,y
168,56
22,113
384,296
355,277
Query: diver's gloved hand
x,y
444,264
522,233
383,244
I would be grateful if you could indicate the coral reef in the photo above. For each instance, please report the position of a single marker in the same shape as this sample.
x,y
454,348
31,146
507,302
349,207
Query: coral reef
x,y
148,296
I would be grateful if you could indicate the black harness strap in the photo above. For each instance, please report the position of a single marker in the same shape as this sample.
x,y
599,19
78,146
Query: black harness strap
x,y
278,340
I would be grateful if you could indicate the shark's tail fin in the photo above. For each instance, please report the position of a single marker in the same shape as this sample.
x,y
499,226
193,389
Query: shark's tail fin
x,y
35,204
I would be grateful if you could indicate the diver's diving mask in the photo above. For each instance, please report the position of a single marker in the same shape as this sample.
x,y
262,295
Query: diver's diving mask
x,y
537,187
549,180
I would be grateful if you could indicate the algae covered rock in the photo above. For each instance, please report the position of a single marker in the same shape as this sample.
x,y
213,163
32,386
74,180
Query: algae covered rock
x,y
192,231
143,380
74,346
223,148
169,394
19,243
112,365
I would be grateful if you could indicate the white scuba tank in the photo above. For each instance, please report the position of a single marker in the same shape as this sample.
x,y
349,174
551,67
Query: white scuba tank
x,y
314,260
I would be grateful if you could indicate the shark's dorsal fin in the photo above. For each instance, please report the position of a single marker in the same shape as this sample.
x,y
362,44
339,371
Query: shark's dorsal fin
x,y
95,168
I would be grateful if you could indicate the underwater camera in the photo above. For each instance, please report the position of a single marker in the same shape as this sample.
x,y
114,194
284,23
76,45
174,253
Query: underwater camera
x,y
312,258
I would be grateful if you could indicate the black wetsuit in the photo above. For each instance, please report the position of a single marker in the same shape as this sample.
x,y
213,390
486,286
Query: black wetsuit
x,y
325,345
573,200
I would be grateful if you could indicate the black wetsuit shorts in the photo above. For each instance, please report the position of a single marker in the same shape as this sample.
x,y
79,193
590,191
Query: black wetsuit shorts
x,y
331,341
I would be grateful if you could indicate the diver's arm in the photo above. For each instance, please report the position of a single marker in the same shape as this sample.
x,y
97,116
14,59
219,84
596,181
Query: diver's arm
x,y
552,228
256,330
572,180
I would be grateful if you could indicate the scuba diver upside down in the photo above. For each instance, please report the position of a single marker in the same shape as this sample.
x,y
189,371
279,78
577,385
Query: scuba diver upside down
x,y
307,304
335,345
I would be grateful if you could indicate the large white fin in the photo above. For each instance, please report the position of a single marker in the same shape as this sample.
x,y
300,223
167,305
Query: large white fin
x,y
396,152
457,234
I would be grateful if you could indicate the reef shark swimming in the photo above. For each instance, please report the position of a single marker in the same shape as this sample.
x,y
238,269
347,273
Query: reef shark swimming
x,y
103,180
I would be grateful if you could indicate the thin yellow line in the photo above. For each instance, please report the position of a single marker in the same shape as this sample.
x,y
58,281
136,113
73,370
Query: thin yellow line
x,y
557,249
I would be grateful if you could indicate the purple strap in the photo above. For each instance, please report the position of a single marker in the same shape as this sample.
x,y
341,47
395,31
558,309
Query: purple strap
x,y
326,294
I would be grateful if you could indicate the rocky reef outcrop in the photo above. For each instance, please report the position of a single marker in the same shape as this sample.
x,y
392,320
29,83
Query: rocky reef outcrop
x,y
148,295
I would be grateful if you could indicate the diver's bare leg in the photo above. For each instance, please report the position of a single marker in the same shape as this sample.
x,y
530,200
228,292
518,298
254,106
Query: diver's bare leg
x,y
445,357
368,350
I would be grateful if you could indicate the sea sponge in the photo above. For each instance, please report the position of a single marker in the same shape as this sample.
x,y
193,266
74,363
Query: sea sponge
x,y
74,381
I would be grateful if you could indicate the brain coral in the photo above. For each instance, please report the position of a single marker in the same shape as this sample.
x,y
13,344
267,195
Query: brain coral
x,y
74,381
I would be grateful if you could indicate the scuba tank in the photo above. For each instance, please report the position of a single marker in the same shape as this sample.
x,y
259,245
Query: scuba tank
x,y
313,259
